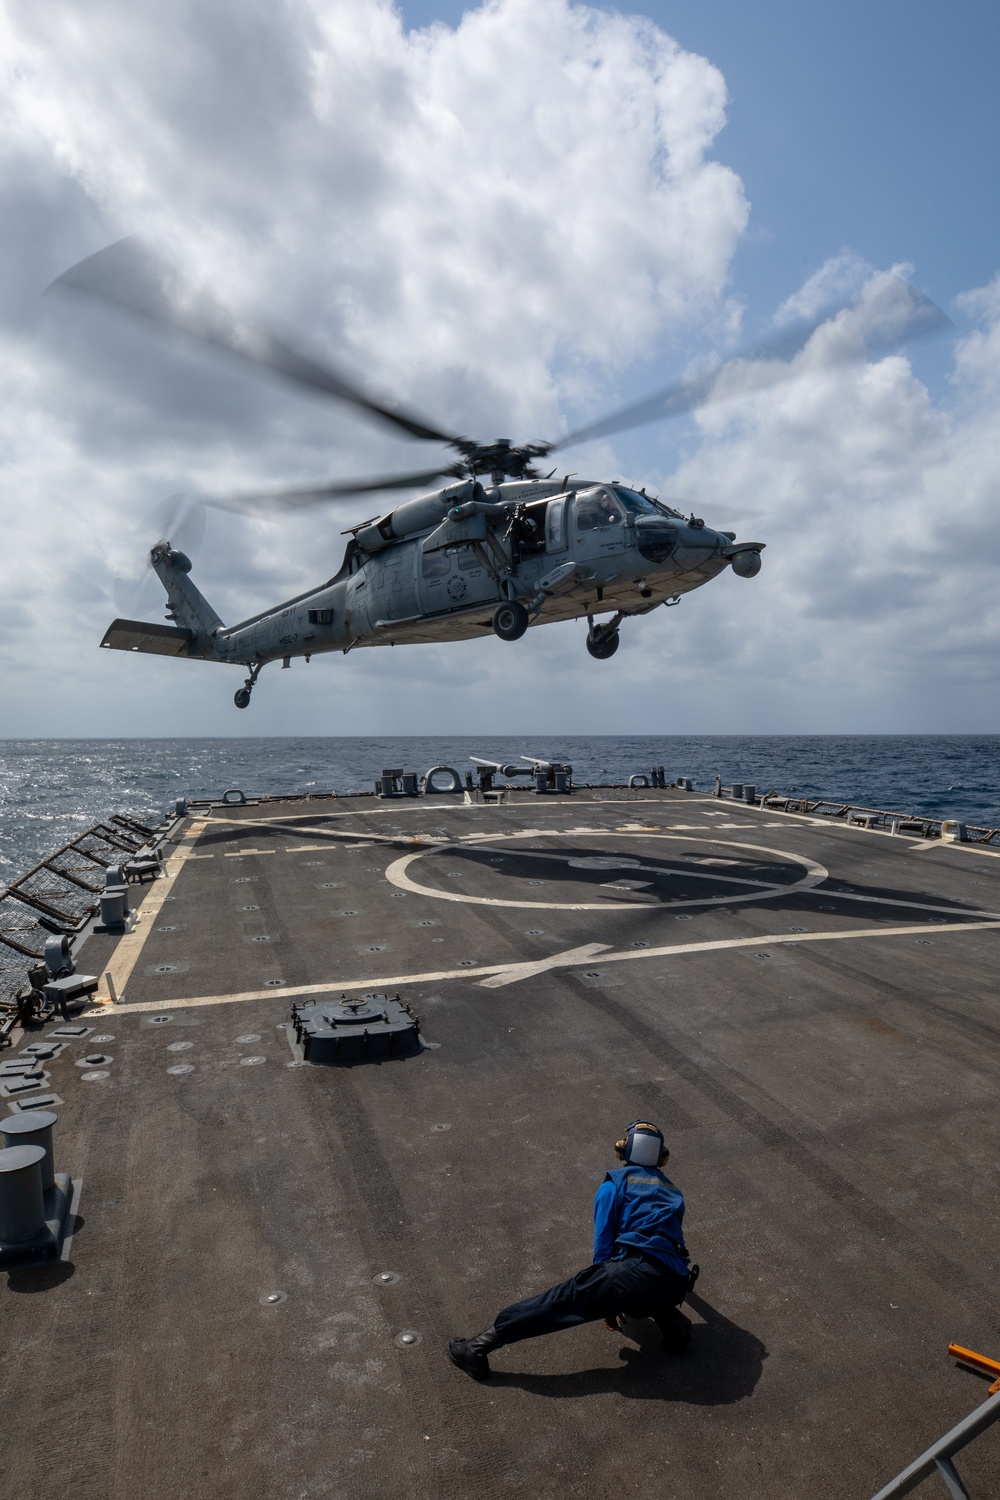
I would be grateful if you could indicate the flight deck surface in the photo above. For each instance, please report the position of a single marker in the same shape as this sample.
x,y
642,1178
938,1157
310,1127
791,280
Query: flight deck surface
x,y
270,1256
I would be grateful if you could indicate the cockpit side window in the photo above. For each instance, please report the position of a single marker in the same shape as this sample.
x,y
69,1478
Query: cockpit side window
x,y
641,505
596,509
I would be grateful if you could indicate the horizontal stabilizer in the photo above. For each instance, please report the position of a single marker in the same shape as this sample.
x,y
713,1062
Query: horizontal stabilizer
x,y
154,640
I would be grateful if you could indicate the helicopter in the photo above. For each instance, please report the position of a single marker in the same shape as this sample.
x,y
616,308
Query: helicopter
x,y
497,549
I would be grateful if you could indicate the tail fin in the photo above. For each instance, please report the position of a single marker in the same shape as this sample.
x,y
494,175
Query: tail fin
x,y
186,606
195,621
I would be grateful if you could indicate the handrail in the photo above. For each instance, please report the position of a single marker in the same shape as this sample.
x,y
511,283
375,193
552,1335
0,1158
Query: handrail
x,y
938,1456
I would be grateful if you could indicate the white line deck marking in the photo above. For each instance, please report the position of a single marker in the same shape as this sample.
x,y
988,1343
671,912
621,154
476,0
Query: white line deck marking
x,y
126,954
497,975
815,874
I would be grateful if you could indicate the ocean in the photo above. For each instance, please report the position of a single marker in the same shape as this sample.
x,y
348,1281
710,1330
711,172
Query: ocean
x,y
52,789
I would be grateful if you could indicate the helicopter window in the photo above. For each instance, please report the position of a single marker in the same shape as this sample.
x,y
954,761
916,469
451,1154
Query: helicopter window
x,y
436,565
555,524
636,504
596,509
642,505
467,559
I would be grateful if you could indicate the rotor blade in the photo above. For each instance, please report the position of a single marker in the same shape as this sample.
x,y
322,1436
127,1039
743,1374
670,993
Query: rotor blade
x,y
912,316
129,277
298,499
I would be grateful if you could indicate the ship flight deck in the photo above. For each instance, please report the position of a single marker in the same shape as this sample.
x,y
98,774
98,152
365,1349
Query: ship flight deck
x,y
268,1256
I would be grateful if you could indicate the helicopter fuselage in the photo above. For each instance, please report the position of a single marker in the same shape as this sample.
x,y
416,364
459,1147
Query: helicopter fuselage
x,y
438,568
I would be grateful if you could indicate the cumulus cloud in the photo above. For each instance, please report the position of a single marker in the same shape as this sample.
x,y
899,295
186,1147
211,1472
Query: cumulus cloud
x,y
883,556
495,223
473,219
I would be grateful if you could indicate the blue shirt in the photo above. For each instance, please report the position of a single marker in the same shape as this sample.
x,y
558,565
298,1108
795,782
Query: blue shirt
x,y
640,1207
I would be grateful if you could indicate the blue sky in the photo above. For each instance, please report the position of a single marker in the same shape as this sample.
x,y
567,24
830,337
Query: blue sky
x,y
871,124
463,217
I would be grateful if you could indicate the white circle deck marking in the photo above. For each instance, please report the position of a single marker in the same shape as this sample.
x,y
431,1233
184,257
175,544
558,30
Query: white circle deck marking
x,y
814,875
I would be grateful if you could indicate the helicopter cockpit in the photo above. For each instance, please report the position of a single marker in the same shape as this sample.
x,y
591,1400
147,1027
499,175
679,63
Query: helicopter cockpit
x,y
596,509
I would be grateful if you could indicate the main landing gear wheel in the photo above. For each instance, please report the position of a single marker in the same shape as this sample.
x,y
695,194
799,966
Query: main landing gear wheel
x,y
604,645
510,620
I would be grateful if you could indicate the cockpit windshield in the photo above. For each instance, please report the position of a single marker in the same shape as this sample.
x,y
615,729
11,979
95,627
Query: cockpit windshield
x,y
642,505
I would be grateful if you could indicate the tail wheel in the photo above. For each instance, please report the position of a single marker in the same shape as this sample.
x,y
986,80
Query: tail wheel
x,y
242,698
510,620
604,645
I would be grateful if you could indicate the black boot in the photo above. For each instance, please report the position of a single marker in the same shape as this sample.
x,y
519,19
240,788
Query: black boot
x,y
470,1354
676,1330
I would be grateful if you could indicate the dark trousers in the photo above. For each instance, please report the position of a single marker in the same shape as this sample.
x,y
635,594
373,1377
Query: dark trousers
x,y
637,1287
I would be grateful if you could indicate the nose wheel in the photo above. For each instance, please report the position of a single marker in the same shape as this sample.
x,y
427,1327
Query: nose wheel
x,y
242,695
603,640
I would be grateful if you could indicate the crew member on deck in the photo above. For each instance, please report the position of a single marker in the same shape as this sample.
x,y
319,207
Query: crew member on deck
x,y
641,1266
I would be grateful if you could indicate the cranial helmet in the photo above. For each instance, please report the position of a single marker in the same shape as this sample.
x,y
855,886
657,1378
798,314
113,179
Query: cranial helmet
x,y
642,1145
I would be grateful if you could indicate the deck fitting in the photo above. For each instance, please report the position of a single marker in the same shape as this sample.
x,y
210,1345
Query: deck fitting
x,y
345,1031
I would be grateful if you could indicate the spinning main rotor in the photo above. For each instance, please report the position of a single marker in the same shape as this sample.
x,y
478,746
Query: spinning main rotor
x,y
128,277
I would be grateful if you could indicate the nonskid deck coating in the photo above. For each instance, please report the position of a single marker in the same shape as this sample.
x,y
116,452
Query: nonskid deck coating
x,y
809,1010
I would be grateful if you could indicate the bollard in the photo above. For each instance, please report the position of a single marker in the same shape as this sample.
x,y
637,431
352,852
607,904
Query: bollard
x,y
122,891
22,1209
750,794
541,782
33,1128
470,785
736,790
409,783
562,781
112,909
385,786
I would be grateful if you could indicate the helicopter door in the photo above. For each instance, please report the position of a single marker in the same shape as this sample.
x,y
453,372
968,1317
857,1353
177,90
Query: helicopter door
x,y
599,522
453,579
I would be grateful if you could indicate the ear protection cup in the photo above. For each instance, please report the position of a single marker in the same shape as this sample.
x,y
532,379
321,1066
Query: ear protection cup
x,y
642,1143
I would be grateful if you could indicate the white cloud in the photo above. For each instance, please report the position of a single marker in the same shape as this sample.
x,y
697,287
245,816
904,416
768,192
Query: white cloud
x,y
837,280
464,217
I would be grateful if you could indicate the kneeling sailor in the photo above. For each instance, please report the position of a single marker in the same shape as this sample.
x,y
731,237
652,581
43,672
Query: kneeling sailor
x,y
641,1266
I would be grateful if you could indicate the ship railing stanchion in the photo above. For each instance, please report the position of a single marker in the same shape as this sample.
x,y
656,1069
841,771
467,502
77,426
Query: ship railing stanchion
x,y
938,1457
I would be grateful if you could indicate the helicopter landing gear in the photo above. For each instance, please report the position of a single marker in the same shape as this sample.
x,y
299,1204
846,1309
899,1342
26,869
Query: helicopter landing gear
x,y
242,695
510,620
603,640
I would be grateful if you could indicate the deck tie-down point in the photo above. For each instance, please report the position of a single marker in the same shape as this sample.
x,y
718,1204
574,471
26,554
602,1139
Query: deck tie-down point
x,y
345,1031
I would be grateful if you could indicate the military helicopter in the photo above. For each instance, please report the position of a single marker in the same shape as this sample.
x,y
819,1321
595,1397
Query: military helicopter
x,y
500,547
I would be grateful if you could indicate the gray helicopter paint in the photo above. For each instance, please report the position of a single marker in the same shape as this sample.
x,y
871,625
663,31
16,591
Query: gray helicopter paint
x,y
443,577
